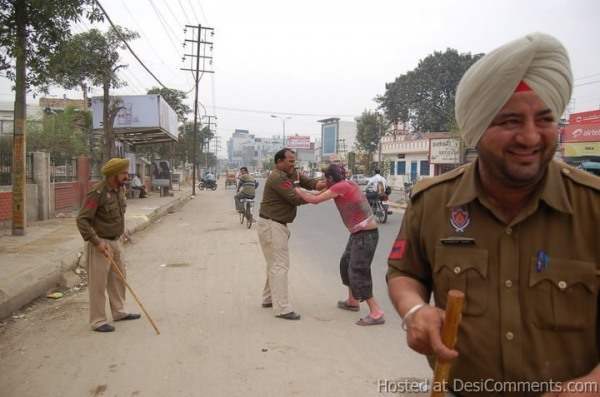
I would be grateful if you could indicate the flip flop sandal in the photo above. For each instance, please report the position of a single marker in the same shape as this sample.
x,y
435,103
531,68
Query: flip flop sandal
x,y
345,306
368,320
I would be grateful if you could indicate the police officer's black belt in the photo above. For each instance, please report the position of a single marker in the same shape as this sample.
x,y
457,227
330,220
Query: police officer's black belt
x,y
271,219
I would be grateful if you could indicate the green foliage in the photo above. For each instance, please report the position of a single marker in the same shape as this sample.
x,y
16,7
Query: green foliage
x,y
64,135
48,25
175,99
182,150
90,59
370,127
424,97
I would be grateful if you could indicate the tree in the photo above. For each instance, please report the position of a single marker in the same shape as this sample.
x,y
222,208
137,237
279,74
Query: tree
x,y
370,128
31,30
92,59
64,135
424,97
175,99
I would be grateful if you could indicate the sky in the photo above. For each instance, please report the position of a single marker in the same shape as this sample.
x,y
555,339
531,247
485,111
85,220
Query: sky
x,y
310,59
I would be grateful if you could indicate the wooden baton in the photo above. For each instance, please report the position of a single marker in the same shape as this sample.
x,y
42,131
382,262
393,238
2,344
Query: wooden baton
x,y
452,319
122,277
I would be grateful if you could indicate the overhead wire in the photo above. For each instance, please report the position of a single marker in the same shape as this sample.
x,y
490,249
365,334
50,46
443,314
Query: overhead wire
x,y
194,12
170,35
128,46
185,14
172,13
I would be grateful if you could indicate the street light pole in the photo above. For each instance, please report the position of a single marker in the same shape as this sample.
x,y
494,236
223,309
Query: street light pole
x,y
283,119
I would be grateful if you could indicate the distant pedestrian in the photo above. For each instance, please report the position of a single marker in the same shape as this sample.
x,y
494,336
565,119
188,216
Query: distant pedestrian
x,y
355,264
101,222
277,209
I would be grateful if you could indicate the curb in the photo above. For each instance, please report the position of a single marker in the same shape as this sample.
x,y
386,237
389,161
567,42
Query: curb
x,y
40,280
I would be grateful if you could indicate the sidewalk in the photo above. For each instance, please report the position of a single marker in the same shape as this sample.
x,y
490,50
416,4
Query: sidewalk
x,y
42,259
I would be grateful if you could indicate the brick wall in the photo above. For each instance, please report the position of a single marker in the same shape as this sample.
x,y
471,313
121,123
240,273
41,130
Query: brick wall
x,y
5,206
66,196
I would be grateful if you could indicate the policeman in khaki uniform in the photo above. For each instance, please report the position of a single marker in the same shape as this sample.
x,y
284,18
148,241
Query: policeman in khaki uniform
x,y
101,222
516,231
277,209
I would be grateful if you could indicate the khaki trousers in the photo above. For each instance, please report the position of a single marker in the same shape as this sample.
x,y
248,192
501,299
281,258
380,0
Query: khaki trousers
x,y
101,279
273,237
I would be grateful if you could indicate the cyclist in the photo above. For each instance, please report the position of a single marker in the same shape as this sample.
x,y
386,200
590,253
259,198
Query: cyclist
x,y
246,188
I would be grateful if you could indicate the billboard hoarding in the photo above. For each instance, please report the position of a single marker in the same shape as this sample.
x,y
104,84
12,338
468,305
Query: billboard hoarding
x,y
581,149
444,151
591,117
139,113
581,133
298,142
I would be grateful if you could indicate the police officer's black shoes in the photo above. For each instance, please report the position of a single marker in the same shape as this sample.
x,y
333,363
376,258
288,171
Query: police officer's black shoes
x,y
130,316
105,328
289,316
267,304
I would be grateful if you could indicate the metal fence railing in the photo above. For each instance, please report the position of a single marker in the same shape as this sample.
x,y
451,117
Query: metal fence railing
x,y
6,168
63,170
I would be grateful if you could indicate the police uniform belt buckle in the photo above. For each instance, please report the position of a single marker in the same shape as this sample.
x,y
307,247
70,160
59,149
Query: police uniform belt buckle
x,y
457,241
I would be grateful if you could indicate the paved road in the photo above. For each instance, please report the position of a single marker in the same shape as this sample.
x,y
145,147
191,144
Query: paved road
x,y
200,274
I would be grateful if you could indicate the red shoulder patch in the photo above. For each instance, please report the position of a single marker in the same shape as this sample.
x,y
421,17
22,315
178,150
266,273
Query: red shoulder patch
x,y
286,184
91,204
398,249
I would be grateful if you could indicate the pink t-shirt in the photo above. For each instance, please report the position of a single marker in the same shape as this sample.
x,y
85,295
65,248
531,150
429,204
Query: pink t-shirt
x,y
352,204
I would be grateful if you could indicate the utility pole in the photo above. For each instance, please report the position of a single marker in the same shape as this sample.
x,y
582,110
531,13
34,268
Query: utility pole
x,y
210,124
19,220
198,34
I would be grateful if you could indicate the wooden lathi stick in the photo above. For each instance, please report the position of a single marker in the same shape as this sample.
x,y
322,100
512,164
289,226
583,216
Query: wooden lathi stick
x,y
122,277
452,319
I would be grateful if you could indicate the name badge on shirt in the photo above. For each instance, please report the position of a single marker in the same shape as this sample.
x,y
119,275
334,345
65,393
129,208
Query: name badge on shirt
x,y
457,241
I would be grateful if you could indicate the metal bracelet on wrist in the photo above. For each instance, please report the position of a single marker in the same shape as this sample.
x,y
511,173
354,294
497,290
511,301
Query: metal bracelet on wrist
x,y
411,312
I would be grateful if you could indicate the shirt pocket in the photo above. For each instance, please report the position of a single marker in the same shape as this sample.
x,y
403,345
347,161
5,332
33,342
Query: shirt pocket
x,y
564,295
466,270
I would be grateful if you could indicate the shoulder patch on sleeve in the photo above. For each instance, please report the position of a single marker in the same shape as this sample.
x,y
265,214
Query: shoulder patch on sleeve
x,y
425,184
580,176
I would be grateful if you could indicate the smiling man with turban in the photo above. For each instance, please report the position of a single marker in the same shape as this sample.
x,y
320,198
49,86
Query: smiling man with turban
x,y
515,230
101,222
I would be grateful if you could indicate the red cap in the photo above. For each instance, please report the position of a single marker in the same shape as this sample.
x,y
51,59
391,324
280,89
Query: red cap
x,y
522,87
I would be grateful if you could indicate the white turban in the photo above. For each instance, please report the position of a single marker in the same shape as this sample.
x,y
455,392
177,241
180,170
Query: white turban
x,y
538,59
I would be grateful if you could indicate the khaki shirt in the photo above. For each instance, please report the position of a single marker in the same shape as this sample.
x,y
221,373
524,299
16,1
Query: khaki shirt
x,y
247,185
280,200
531,311
102,214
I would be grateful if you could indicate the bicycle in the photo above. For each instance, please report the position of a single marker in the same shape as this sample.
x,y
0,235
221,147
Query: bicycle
x,y
246,213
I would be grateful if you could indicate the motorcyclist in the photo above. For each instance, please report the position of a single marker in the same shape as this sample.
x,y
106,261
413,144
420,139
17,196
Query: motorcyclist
x,y
246,188
377,187
208,180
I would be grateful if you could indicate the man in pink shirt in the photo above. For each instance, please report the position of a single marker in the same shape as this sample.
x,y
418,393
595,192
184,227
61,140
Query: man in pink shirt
x,y
355,264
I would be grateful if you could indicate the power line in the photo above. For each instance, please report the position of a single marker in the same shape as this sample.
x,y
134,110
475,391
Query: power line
x,y
172,13
144,35
194,11
282,113
165,25
127,45
588,76
588,83
185,14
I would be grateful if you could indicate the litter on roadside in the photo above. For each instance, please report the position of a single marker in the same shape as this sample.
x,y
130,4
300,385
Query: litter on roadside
x,y
55,295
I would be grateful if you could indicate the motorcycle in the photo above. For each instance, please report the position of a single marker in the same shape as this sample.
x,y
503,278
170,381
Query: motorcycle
x,y
379,208
207,184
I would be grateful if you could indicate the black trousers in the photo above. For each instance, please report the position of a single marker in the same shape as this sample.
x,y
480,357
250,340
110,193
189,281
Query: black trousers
x,y
355,264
